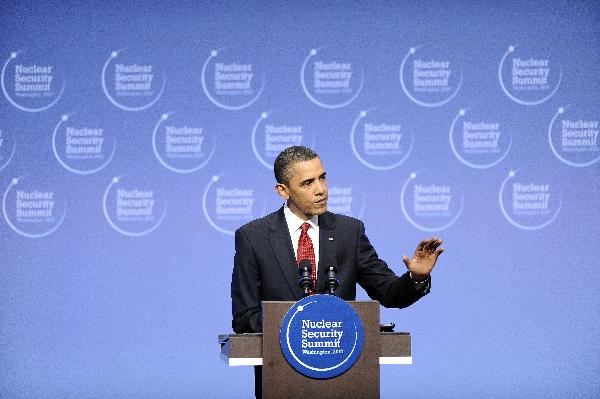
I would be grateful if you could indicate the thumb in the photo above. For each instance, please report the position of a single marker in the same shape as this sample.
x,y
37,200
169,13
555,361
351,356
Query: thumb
x,y
405,260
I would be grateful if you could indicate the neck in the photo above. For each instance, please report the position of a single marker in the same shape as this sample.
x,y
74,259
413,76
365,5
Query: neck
x,y
298,213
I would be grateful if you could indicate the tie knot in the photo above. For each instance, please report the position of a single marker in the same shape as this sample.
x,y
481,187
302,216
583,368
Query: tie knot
x,y
305,227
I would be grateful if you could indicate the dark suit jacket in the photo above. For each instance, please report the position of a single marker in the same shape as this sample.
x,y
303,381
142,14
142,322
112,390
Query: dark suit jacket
x,y
265,267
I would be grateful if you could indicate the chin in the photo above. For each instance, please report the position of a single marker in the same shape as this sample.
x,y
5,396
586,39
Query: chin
x,y
320,211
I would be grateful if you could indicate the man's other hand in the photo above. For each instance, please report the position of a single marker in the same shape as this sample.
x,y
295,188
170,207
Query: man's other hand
x,y
423,261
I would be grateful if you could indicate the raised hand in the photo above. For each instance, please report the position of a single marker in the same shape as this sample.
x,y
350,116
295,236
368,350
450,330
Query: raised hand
x,y
423,261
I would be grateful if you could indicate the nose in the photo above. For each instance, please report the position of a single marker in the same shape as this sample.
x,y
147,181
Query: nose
x,y
320,187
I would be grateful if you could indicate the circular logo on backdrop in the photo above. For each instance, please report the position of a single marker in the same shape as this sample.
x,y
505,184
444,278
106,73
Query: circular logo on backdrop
x,y
133,207
81,145
573,136
528,200
331,79
182,145
529,75
381,140
321,336
8,146
230,202
132,80
32,82
430,77
232,79
430,204
32,207
274,132
479,139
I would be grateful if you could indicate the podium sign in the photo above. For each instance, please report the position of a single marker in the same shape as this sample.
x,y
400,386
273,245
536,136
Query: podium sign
x,y
321,336
281,381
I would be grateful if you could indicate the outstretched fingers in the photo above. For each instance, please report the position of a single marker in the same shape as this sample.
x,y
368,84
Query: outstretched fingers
x,y
422,244
432,244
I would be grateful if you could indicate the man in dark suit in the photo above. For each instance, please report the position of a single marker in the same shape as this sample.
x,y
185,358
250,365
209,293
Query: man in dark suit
x,y
268,250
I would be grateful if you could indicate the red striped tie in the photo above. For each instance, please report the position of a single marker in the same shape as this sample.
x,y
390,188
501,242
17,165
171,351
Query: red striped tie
x,y
306,251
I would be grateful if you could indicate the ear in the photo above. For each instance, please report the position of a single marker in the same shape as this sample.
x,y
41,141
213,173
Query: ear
x,y
282,190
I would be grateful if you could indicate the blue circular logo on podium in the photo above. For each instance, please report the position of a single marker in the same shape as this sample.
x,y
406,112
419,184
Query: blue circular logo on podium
x,y
321,336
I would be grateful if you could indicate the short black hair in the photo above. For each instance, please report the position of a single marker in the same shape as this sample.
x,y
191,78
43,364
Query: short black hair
x,y
287,158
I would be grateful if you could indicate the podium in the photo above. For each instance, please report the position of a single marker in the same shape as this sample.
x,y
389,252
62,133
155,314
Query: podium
x,y
281,381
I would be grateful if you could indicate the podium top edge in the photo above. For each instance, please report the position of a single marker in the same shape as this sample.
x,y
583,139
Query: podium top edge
x,y
225,337
365,301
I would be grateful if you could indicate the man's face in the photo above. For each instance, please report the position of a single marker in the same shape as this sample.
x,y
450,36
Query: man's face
x,y
306,189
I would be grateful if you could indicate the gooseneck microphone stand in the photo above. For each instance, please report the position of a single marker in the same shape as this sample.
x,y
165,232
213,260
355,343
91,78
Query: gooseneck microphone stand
x,y
305,270
332,281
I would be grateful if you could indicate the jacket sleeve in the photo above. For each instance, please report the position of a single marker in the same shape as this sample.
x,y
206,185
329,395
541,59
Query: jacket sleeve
x,y
380,282
245,287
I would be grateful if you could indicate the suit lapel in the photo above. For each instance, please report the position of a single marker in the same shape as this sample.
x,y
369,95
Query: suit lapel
x,y
281,243
327,247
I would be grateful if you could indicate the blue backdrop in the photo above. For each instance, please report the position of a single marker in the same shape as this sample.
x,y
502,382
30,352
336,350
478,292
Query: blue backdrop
x,y
135,137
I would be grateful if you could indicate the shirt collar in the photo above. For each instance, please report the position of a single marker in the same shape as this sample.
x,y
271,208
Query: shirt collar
x,y
294,222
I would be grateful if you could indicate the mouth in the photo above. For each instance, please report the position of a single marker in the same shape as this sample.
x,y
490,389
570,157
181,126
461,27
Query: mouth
x,y
321,201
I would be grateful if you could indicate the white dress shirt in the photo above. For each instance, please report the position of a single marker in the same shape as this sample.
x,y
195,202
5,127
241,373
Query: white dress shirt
x,y
294,224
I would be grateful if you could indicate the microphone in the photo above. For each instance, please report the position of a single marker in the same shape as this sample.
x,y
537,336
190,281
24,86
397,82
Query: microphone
x,y
332,282
305,270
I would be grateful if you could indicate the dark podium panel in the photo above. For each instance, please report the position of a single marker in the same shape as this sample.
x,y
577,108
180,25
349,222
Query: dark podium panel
x,y
280,380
